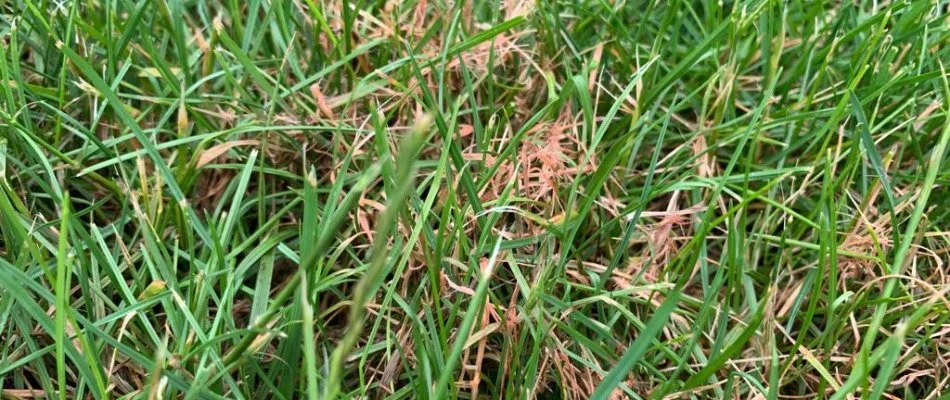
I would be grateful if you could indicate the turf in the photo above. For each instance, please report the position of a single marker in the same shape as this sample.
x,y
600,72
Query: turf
x,y
570,199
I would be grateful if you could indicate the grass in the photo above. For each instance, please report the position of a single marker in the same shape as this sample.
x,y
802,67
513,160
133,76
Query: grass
x,y
497,199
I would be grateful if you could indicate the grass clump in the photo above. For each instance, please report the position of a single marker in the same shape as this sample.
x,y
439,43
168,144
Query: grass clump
x,y
492,199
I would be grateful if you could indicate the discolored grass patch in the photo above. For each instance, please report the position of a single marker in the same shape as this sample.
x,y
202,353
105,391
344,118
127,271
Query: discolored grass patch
x,y
492,199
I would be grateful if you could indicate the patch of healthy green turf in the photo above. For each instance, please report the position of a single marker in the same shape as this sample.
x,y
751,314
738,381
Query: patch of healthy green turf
x,y
221,199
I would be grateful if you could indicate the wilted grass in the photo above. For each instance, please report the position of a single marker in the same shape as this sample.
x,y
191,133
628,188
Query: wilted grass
x,y
495,199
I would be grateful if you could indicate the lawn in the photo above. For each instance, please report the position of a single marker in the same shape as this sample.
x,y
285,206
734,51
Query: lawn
x,y
554,199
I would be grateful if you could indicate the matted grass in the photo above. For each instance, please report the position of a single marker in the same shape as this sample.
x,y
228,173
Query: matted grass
x,y
495,199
